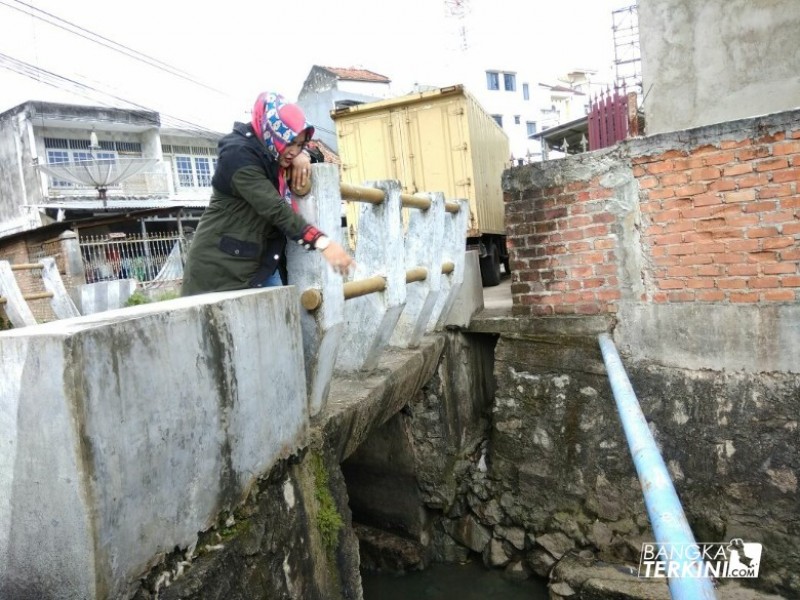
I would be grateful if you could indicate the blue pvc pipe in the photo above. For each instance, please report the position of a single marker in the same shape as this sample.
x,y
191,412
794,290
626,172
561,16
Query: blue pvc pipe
x,y
663,505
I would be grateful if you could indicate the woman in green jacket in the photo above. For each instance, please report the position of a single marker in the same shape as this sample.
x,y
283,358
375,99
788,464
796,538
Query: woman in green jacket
x,y
242,234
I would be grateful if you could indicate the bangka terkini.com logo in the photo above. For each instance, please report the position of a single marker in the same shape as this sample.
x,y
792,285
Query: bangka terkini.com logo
x,y
736,558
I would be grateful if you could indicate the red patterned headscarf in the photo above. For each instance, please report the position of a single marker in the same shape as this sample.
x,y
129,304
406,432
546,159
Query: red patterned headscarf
x,y
277,122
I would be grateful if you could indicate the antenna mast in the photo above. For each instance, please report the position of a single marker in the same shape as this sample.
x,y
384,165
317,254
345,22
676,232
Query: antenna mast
x,y
457,11
627,54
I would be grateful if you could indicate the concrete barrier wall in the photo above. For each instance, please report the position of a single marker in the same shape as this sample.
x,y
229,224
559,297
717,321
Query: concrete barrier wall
x,y
91,298
126,433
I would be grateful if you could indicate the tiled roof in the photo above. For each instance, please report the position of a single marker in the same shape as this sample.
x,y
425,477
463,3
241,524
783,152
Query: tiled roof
x,y
561,88
353,74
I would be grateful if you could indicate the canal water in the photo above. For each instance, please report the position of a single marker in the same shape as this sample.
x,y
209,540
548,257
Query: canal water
x,y
470,581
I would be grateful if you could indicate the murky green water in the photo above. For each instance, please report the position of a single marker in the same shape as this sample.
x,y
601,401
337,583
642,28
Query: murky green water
x,y
471,581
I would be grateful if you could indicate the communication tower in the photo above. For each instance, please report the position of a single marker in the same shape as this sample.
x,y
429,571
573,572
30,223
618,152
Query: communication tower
x,y
627,53
457,11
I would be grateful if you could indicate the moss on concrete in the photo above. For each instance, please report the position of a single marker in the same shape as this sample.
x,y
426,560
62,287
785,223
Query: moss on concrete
x,y
329,521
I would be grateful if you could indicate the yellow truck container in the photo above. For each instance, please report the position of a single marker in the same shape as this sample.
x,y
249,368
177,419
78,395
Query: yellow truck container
x,y
436,141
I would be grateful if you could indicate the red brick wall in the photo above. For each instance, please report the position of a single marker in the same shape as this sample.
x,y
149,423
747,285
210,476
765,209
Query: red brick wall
x,y
21,251
562,254
719,221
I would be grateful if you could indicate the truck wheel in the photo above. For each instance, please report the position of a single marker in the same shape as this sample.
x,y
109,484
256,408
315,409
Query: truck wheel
x,y
490,266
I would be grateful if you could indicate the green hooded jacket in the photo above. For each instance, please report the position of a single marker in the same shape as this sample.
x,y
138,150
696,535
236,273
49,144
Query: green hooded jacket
x,y
242,233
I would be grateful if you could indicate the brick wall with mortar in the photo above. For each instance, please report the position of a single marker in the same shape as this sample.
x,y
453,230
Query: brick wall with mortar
x,y
29,249
716,218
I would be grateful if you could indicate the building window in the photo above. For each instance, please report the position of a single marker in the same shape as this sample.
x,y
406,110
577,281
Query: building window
x,y
72,156
498,119
510,82
531,126
492,80
54,157
516,119
183,165
203,168
111,146
526,95
194,171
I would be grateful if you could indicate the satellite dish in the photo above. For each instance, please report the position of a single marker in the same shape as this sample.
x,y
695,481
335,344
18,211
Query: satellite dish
x,y
99,173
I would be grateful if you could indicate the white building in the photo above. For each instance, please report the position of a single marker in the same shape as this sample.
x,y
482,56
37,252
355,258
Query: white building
x,y
524,106
44,133
328,88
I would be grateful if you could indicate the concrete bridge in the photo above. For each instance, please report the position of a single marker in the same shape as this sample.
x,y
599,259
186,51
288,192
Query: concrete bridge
x,y
127,434
177,450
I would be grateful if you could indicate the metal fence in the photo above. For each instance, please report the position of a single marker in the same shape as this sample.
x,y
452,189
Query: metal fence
x,y
147,258
612,118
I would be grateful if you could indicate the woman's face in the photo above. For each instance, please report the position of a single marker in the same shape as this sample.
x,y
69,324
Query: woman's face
x,y
293,149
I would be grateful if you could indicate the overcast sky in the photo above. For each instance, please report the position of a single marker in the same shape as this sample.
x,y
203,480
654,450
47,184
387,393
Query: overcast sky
x,y
238,48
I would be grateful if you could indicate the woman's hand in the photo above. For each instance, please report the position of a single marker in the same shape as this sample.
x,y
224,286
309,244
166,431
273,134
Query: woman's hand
x,y
338,258
300,173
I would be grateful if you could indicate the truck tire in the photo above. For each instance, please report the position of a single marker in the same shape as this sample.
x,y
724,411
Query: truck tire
x,y
490,266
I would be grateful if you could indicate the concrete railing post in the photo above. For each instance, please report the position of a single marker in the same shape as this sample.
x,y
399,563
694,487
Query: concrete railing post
x,y
61,303
323,327
17,309
423,249
454,251
73,262
371,319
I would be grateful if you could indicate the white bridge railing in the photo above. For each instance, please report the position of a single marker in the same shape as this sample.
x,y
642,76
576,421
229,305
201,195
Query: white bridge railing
x,y
398,291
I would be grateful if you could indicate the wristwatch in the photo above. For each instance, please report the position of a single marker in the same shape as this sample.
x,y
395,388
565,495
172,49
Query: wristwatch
x,y
322,242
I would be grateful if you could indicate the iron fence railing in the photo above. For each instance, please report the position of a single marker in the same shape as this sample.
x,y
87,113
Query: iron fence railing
x,y
155,257
612,118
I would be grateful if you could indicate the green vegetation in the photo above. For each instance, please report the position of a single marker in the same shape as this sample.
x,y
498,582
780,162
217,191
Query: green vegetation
x,y
329,521
139,297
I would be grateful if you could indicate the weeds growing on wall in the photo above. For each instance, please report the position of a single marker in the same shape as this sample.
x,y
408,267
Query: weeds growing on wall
x,y
329,521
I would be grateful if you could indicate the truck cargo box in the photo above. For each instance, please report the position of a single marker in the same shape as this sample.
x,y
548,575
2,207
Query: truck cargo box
x,y
436,141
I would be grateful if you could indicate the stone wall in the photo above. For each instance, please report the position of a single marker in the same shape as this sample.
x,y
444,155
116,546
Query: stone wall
x,y
559,456
521,461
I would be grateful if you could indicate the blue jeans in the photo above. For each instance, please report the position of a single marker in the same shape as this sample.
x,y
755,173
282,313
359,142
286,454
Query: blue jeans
x,y
273,280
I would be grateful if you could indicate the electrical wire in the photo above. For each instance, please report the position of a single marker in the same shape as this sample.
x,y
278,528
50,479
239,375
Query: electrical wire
x,y
58,81
56,21
81,89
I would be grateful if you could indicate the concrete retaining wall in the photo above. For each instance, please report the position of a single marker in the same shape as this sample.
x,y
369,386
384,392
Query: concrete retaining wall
x,y
127,433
